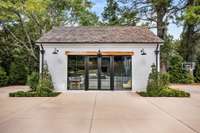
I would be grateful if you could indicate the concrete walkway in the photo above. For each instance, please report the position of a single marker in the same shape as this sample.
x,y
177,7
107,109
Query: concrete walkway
x,y
99,112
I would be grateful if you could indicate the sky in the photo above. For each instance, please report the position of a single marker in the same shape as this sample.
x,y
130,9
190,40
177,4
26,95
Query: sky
x,y
173,29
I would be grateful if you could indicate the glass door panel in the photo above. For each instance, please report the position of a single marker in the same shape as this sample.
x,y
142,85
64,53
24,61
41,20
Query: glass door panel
x,y
92,73
105,72
76,72
122,73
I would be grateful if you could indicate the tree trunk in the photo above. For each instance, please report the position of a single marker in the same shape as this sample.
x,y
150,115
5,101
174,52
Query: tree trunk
x,y
161,30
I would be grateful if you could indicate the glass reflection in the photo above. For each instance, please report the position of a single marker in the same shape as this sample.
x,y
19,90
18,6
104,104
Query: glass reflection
x,y
105,72
76,72
93,73
122,73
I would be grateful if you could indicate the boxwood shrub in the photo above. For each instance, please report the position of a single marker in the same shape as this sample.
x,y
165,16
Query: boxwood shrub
x,y
33,94
166,92
32,80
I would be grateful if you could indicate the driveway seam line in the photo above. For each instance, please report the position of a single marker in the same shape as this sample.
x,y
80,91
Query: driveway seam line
x,y
180,121
93,111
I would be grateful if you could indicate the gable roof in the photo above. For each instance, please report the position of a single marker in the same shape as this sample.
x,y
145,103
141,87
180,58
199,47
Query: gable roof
x,y
101,34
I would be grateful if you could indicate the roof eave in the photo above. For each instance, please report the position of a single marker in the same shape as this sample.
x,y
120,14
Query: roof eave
x,y
38,43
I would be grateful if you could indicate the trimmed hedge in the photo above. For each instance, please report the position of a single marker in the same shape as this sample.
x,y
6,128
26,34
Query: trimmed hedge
x,y
166,92
33,94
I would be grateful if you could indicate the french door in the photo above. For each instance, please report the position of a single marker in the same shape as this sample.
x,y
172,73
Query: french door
x,y
99,72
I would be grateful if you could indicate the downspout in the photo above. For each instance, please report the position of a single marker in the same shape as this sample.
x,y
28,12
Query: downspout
x,y
42,51
157,52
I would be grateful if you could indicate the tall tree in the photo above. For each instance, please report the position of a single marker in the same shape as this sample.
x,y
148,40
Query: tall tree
x,y
128,16
157,14
191,32
22,22
111,13
115,15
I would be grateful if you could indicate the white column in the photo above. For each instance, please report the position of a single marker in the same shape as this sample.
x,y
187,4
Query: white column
x,y
132,76
40,63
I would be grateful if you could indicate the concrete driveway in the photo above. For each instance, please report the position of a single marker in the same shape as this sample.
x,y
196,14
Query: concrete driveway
x,y
99,112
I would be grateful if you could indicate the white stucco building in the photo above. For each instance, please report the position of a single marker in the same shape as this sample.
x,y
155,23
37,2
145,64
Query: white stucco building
x,y
100,58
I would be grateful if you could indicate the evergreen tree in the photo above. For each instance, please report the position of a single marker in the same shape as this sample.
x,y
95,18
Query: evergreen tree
x,y
111,13
177,73
197,70
191,31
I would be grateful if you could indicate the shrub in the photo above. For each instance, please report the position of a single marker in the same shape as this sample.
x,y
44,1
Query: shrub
x,y
158,86
157,80
32,80
168,92
44,87
164,79
18,73
47,77
197,73
177,73
165,92
45,84
3,77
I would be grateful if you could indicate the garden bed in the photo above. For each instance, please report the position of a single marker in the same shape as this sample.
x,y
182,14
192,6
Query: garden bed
x,y
166,92
33,94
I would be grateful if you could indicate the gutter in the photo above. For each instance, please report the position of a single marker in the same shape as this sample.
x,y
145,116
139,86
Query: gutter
x,y
157,52
42,51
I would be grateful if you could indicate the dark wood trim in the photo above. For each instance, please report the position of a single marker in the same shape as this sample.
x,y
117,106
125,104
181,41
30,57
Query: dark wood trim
x,y
117,53
80,53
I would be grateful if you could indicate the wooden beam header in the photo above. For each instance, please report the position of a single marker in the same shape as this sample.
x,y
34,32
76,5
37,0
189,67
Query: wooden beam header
x,y
104,53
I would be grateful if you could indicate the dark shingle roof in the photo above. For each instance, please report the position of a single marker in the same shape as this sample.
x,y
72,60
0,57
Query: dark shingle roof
x,y
102,34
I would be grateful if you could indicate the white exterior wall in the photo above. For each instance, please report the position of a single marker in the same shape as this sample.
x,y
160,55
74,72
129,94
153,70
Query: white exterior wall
x,y
141,64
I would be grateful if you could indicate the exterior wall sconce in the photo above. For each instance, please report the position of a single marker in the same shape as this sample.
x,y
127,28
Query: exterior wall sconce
x,y
99,53
143,52
55,51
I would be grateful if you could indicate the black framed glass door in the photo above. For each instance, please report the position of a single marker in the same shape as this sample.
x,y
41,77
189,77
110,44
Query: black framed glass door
x,y
105,76
92,72
99,72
